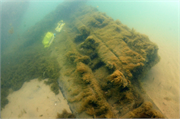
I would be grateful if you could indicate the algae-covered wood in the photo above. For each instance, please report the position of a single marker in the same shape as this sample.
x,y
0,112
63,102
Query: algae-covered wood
x,y
100,61
100,68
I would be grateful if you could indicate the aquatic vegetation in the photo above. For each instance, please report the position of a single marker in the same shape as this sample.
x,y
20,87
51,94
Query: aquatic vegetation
x,y
86,77
92,96
118,28
97,101
90,111
101,62
24,66
84,33
72,55
81,68
126,97
87,103
108,60
95,107
4,100
55,88
76,57
108,94
118,79
88,47
84,59
145,111
29,61
80,96
118,22
98,20
75,92
65,114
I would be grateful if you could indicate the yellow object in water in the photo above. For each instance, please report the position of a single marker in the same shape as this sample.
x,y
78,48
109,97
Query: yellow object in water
x,y
60,26
48,39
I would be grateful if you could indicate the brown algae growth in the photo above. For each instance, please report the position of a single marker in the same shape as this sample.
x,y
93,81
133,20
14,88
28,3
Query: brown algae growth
x,y
106,58
100,60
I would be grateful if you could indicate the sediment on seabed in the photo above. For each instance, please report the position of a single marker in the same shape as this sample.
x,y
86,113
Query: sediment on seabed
x,y
101,61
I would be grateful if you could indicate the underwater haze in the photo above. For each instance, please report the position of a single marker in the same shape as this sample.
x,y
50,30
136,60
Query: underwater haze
x,y
36,11
19,15
26,64
159,19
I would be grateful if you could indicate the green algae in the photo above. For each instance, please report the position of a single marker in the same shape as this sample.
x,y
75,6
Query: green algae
x,y
24,66
29,60
26,63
